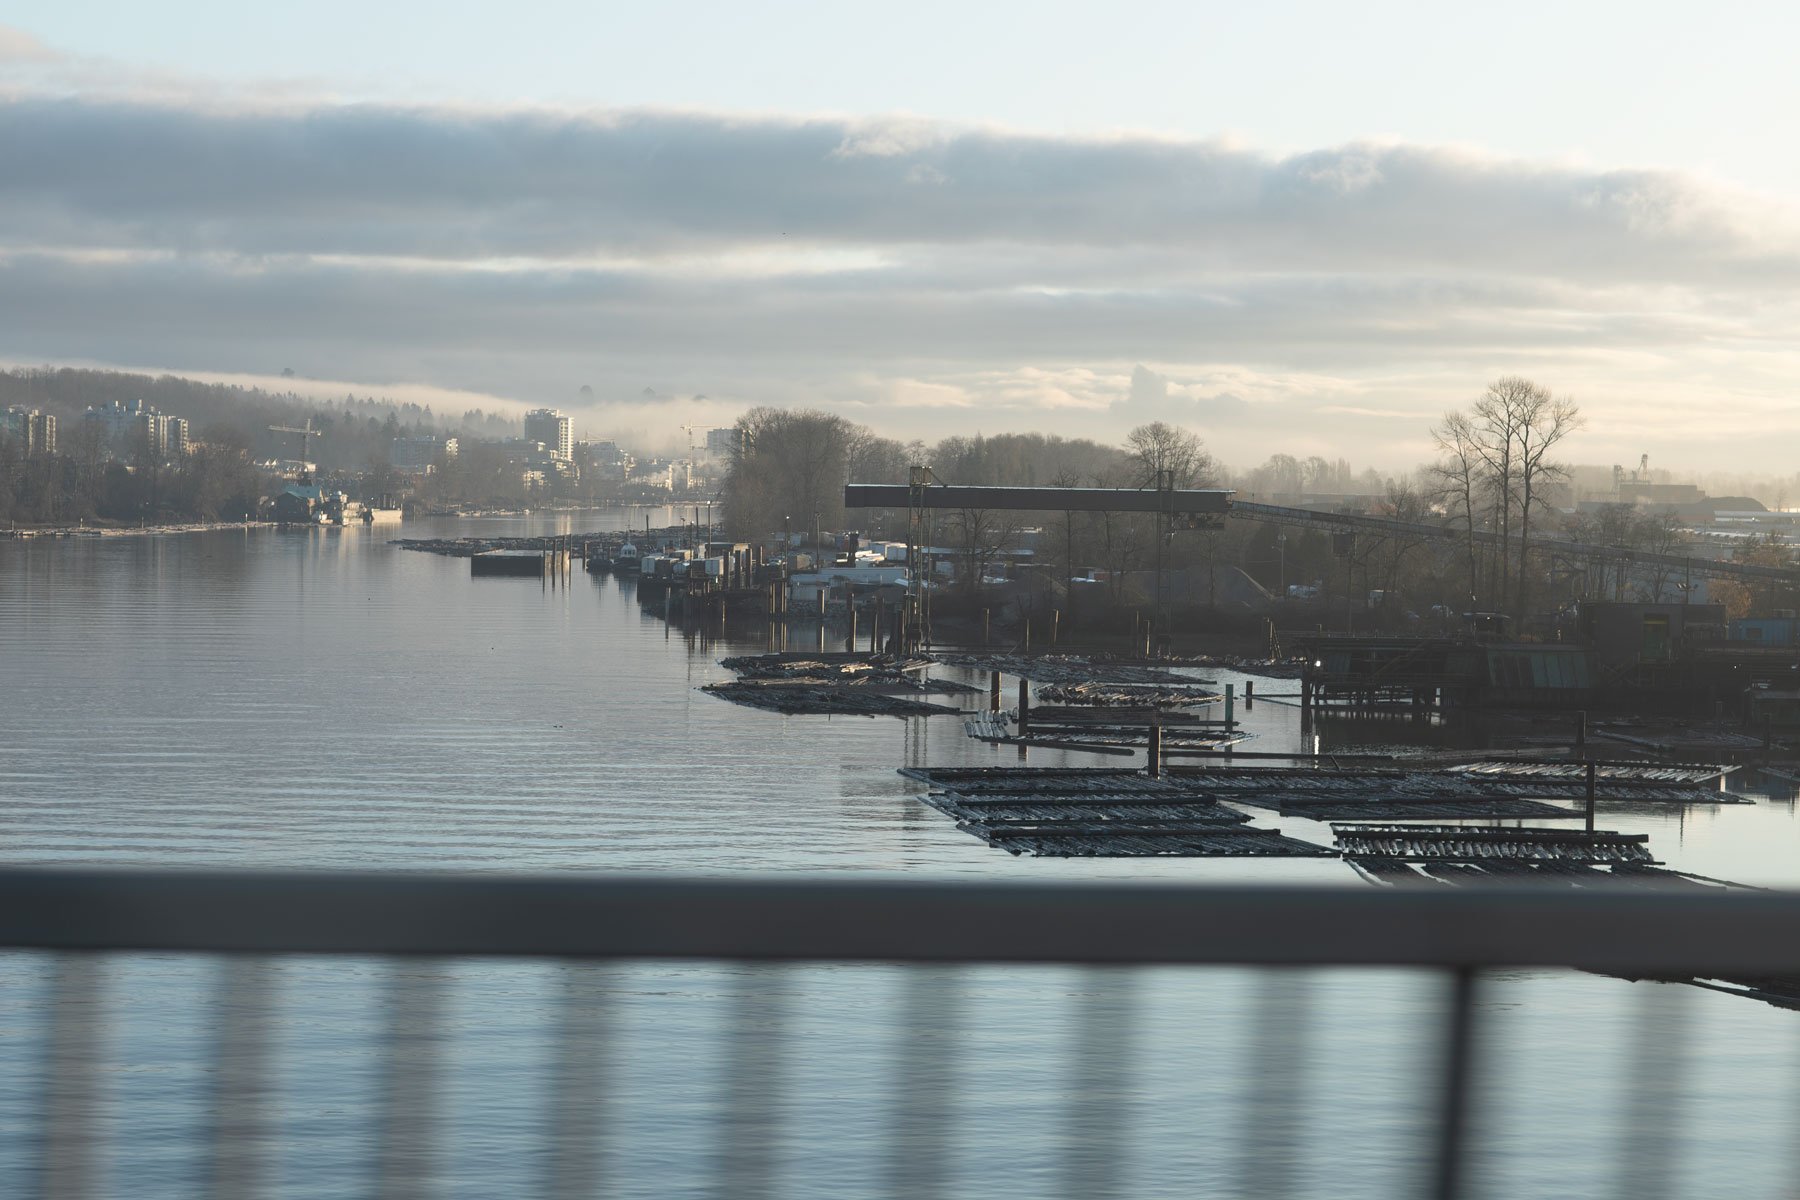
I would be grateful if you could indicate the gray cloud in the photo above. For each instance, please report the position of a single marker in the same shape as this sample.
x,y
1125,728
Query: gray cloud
x,y
439,183
921,276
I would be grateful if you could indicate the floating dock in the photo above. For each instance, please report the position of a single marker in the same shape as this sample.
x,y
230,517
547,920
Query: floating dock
x,y
527,564
866,685
1067,813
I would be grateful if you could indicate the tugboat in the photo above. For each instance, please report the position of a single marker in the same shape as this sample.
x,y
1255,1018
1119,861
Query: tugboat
x,y
624,560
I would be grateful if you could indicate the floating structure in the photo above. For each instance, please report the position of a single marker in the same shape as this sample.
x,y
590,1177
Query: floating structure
x,y
532,564
837,685
1077,813
1375,787
1128,695
1069,669
1476,845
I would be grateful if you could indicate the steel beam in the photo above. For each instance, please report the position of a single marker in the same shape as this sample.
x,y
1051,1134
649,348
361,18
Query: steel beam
x,y
1180,502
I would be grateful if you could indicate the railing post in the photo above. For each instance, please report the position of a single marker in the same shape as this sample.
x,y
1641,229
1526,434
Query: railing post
x,y
1451,1149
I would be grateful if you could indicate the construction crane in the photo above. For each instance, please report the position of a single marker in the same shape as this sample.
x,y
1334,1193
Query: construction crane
x,y
689,430
306,436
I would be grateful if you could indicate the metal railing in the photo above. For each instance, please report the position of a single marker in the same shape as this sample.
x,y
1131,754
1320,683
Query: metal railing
x,y
1459,933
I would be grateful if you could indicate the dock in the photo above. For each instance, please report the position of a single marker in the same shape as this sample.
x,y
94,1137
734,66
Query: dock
x,y
525,564
1077,813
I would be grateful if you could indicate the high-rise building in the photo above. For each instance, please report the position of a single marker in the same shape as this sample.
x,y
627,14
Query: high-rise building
x,y
35,430
127,428
420,455
554,430
722,444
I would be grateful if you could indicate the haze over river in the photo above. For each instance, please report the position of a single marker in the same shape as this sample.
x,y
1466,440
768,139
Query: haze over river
x,y
323,699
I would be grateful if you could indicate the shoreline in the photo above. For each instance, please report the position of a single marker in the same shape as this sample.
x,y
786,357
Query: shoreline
x,y
107,531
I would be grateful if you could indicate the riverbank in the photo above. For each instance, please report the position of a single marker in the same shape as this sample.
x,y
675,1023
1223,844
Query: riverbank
x,y
108,531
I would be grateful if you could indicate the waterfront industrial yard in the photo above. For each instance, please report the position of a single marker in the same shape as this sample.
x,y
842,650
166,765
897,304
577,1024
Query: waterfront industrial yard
x,y
323,702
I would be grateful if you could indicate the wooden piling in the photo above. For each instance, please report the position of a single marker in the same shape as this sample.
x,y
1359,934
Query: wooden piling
x,y
1154,766
1581,733
875,628
1055,626
850,642
1028,635
994,691
987,627
1230,704
1024,707
1590,797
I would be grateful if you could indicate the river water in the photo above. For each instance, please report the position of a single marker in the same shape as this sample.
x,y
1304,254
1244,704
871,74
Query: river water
x,y
323,699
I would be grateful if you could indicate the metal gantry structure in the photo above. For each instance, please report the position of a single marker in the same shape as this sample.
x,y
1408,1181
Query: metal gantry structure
x,y
1208,507
1190,508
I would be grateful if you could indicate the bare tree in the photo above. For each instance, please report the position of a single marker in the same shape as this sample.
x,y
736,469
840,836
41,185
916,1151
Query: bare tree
x,y
1159,447
1542,420
1498,451
1459,480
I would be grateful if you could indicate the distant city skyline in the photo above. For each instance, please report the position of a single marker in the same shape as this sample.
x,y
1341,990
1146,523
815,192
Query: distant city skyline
x,y
1295,231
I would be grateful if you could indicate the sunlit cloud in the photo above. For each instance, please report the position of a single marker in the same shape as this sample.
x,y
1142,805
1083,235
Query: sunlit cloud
x,y
925,277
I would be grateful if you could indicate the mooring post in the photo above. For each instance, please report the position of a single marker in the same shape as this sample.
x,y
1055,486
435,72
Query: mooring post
x,y
850,642
1249,693
1230,706
1024,707
1581,733
1154,766
1149,632
1590,797
875,628
1055,626
986,626
994,691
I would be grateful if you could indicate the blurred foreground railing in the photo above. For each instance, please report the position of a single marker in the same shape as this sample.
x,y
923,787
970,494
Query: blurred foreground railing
x,y
1459,932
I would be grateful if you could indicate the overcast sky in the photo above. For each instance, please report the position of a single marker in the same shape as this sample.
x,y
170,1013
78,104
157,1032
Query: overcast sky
x,y
1305,229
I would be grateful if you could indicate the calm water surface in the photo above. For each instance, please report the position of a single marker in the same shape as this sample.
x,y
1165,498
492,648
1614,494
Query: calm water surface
x,y
325,700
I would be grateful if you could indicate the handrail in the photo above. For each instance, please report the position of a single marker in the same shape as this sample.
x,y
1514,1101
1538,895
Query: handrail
x,y
894,920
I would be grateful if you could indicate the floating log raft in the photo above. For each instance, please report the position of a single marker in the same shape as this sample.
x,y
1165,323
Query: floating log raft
x,y
1485,847
1620,774
827,666
1068,669
1418,808
1045,781
1130,696
1449,784
1681,741
867,685
824,700
1097,814
1102,731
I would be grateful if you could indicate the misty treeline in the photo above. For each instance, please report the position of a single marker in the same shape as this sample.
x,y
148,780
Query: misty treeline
x,y
788,467
353,431
229,428
84,480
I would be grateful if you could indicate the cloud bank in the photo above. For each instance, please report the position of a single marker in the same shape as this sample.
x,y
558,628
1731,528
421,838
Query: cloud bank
x,y
925,277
